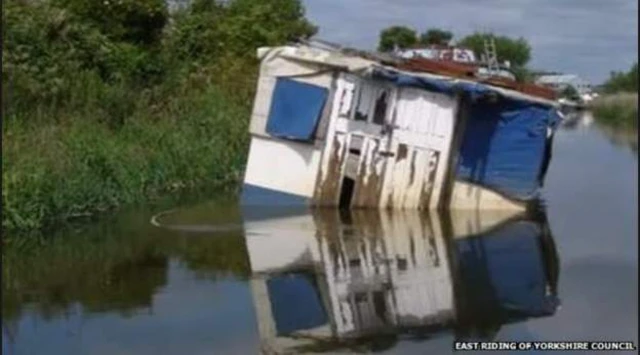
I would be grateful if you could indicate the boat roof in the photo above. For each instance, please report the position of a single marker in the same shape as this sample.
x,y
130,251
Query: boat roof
x,y
439,73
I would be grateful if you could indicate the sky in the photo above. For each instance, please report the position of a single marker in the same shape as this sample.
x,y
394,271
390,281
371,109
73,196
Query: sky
x,y
589,38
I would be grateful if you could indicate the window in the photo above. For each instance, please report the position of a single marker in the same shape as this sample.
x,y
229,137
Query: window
x,y
296,108
372,103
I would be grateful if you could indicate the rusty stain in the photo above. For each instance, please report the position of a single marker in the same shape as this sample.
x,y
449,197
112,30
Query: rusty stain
x,y
358,195
427,186
412,247
425,195
390,200
469,72
327,190
367,190
412,171
373,189
434,250
402,152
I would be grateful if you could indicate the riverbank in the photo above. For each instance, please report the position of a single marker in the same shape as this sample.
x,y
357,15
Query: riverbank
x,y
142,101
60,171
619,110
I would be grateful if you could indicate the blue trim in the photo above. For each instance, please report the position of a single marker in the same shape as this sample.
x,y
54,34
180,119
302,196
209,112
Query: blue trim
x,y
258,203
253,195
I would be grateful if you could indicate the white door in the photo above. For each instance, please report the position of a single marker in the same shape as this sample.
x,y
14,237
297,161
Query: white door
x,y
385,146
422,131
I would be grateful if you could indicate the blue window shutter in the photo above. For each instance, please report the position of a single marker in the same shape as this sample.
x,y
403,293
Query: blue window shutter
x,y
295,109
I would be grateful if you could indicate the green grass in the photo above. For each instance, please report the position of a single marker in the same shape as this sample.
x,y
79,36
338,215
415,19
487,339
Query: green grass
x,y
74,165
618,110
142,101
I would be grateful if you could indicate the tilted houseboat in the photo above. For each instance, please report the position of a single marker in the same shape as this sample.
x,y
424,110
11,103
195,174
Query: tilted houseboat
x,y
337,127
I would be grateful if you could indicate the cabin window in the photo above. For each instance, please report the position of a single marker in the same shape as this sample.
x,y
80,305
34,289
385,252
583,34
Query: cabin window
x,y
380,109
371,103
364,102
296,109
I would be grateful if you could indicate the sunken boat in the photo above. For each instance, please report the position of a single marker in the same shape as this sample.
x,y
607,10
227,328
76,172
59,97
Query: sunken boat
x,y
344,128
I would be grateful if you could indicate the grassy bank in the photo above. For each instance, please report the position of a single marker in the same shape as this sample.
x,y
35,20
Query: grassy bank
x,y
107,104
56,171
619,110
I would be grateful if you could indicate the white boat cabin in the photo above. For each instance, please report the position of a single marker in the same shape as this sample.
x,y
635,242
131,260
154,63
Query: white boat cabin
x,y
332,129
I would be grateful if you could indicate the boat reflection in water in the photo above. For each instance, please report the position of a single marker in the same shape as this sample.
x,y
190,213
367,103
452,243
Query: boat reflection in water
x,y
333,279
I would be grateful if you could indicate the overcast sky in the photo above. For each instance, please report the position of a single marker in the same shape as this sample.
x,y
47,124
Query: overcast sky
x,y
585,37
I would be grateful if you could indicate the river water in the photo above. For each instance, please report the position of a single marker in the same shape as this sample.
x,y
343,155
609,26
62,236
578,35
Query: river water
x,y
401,283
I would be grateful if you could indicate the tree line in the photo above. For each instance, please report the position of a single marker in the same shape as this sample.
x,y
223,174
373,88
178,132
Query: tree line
x,y
623,81
135,45
515,50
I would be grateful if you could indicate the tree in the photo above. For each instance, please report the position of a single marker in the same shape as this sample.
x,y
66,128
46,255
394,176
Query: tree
x,y
210,29
620,81
569,92
138,22
516,51
523,75
436,36
396,36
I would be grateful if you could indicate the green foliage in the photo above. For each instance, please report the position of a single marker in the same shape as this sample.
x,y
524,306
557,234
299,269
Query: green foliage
x,y
107,103
208,29
436,36
48,51
516,51
619,81
397,36
523,75
138,22
252,23
570,93
57,173
618,111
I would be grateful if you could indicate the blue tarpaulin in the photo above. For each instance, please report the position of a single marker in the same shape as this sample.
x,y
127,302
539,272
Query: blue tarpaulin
x,y
295,303
442,86
295,109
505,270
504,142
503,147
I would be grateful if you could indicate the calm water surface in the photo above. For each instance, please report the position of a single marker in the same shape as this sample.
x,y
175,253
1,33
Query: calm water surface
x,y
400,283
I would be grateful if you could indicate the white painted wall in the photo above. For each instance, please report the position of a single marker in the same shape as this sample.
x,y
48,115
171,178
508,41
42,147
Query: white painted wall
x,y
281,165
425,122
467,196
275,243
